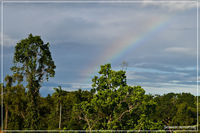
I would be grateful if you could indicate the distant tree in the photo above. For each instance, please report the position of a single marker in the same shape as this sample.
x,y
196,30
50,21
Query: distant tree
x,y
59,94
182,111
124,65
186,113
163,112
32,59
7,97
73,98
45,108
14,102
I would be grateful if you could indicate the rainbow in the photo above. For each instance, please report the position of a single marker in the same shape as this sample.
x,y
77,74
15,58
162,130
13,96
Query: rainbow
x,y
125,44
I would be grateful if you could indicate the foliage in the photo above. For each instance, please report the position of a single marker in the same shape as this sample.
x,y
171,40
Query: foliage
x,y
111,104
115,105
33,60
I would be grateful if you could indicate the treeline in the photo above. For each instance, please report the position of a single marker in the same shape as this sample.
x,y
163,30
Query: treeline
x,y
111,104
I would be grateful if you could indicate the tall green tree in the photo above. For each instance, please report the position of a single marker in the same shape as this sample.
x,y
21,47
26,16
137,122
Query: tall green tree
x,y
32,59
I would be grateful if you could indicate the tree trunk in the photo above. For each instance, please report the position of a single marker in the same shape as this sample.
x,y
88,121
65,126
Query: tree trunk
x,y
60,115
6,118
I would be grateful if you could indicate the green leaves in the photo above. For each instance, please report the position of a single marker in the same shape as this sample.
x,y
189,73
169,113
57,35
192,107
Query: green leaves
x,y
32,59
115,105
108,79
14,102
32,56
144,123
111,103
59,93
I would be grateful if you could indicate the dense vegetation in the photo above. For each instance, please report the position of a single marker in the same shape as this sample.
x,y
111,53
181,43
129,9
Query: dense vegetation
x,y
111,104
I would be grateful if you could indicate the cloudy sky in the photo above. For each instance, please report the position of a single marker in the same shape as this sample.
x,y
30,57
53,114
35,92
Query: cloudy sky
x,y
157,40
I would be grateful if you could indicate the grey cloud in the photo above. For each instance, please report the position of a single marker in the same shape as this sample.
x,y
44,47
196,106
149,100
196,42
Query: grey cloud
x,y
181,50
165,68
70,22
80,33
172,5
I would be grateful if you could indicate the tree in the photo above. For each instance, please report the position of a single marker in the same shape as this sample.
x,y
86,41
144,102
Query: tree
x,y
124,65
115,105
163,112
32,59
59,94
109,79
70,120
7,97
14,102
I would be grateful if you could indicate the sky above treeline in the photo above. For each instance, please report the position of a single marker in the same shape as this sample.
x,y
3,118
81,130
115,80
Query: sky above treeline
x,y
157,40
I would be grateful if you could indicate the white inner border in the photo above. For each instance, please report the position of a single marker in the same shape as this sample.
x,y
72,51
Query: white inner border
x,y
97,1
